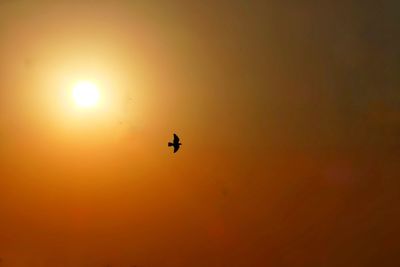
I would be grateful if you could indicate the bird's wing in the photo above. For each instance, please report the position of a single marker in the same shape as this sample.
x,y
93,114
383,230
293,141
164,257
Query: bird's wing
x,y
176,148
176,139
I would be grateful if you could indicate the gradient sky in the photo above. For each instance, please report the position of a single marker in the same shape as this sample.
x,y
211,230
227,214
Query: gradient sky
x,y
289,114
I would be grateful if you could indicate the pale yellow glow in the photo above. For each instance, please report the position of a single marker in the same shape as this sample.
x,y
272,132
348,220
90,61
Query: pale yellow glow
x,y
86,94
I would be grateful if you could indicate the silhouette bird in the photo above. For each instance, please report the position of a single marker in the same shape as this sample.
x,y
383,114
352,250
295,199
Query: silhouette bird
x,y
176,144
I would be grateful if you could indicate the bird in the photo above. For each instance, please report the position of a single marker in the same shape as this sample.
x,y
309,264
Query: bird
x,y
176,144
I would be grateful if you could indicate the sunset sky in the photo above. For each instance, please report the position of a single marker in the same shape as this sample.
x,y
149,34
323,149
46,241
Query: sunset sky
x,y
288,111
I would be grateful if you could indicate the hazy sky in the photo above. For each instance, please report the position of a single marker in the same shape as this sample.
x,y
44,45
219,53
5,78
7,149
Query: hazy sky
x,y
288,111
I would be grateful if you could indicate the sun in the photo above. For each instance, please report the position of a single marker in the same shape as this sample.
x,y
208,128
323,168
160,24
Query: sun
x,y
85,94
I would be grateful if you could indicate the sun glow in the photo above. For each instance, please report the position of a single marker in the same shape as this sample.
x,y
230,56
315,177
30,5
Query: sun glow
x,y
85,94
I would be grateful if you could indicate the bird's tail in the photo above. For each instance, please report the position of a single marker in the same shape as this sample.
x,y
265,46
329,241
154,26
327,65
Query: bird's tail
x,y
170,144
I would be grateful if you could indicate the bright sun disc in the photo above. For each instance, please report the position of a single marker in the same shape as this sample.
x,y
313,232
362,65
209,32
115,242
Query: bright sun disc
x,y
85,94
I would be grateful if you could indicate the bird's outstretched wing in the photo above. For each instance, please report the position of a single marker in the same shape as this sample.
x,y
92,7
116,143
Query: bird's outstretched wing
x,y
176,148
176,139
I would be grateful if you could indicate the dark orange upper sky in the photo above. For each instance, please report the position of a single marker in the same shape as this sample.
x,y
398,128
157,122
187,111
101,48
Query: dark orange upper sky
x,y
289,115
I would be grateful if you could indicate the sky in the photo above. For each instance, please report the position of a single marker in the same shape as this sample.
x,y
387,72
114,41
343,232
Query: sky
x,y
288,111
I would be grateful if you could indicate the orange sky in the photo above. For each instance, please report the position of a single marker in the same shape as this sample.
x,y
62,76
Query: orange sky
x,y
288,114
